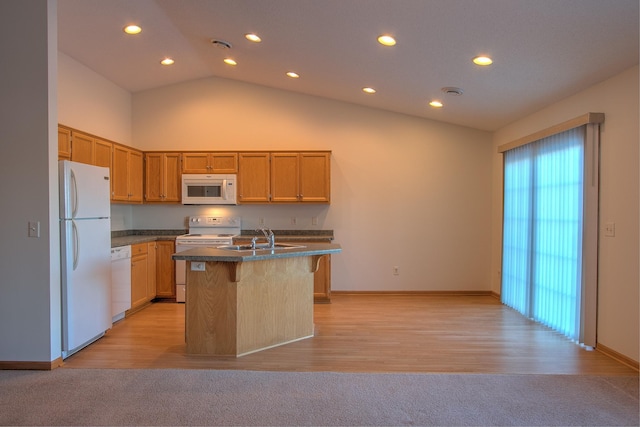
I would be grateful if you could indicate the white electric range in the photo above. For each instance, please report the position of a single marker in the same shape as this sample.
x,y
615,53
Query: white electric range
x,y
204,231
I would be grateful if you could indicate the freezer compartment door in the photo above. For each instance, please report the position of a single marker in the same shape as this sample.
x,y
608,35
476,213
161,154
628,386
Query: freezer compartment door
x,y
86,282
84,191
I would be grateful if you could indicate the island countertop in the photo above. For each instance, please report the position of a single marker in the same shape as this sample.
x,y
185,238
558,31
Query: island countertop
x,y
205,254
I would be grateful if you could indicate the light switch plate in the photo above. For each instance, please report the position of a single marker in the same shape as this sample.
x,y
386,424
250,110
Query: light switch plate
x,y
34,228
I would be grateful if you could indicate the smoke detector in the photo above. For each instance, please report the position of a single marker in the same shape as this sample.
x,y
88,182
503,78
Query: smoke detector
x,y
450,90
221,44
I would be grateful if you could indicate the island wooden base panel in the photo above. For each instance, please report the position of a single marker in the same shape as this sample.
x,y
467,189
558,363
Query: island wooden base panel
x,y
238,309
367,333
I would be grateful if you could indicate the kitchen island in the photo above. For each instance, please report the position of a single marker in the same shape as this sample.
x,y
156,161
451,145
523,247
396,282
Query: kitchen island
x,y
243,301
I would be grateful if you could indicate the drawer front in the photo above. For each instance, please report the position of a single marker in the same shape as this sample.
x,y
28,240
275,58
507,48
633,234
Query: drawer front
x,y
138,249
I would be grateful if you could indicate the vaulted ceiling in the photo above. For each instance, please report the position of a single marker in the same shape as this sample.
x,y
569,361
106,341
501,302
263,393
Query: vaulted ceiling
x,y
543,50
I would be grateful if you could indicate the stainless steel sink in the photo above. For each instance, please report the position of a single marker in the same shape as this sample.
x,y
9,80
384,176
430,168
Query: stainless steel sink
x,y
260,247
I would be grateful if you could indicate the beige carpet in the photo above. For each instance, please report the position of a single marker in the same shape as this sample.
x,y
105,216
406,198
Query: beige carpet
x,y
209,397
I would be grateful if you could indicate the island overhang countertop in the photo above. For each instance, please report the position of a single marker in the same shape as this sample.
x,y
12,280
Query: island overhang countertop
x,y
207,254
242,301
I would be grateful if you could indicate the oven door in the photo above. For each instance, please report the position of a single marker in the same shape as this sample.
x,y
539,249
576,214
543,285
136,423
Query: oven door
x,y
181,271
181,265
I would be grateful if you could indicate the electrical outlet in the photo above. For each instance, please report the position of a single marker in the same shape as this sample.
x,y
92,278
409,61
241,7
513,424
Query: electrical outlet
x,y
197,266
396,270
294,220
610,229
261,221
314,220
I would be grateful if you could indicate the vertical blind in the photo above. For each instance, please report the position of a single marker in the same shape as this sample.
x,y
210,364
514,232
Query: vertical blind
x,y
543,227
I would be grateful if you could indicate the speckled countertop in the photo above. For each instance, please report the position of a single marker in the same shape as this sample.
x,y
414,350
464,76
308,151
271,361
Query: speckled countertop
x,y
215,254
132,237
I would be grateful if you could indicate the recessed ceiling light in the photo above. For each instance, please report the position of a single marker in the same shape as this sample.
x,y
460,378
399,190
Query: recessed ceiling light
x,y
230,61
482,60
167,61
436,104
368,90
293,75
132,29
253,38
386,40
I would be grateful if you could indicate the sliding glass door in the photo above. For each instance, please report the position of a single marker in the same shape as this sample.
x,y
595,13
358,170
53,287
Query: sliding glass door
x,y
544,211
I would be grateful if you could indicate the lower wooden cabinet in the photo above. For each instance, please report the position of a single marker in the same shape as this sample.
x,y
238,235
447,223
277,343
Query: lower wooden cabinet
x,y
165,269
151,270
322,281
321,278
139,275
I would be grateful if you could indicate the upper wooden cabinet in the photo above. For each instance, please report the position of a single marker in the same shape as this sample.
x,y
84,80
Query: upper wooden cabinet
x,y
284,177
162,177
253,177
126,175
214,162
90,150
64,143
300,177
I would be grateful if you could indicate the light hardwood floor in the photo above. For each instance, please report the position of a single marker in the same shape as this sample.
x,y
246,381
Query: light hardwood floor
x,y
367,333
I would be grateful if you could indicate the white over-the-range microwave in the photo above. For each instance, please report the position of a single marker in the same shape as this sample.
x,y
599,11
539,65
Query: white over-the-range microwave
x,y
209,189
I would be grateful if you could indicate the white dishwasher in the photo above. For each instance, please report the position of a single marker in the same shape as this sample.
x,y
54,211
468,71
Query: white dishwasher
x,y
120,281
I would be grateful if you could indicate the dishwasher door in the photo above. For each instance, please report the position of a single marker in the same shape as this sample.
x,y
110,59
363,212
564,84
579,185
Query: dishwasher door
x,y
120,281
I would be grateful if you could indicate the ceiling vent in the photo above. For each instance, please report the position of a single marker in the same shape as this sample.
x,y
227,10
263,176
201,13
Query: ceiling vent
x,y
221,44
455,91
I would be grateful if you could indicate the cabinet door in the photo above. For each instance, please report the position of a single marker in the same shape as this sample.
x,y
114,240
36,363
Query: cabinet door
x,y
162,177
153,177
135,176
195,163
120,174
102,153
285,186
151,270
224,162
322,281
165,269
139,275
253,178
172,178
315,177
64,143
82,148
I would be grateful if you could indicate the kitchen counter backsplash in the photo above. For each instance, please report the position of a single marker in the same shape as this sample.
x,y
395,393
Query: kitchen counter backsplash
x,y
319,235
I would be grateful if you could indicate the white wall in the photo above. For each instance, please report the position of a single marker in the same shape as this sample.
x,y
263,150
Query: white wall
x,y
618,269
91,103
406,192
30,328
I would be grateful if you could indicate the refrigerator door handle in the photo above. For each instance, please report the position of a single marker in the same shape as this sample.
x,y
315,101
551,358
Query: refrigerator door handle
x,y
76,245
74,194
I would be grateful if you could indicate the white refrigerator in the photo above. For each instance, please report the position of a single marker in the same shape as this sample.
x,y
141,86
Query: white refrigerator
x,y
85,236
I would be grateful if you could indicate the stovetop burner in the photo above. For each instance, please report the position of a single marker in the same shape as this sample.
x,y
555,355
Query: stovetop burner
x,y
202,228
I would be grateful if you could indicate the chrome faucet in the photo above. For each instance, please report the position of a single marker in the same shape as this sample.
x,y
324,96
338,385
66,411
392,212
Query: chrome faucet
x,y
268,234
